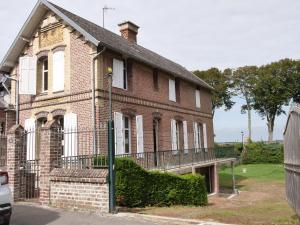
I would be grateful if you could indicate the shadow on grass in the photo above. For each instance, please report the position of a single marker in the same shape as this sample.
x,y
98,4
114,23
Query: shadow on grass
x,y
226,180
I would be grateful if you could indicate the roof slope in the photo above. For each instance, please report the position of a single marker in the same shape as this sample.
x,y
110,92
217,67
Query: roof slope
x,y
118,43
101,36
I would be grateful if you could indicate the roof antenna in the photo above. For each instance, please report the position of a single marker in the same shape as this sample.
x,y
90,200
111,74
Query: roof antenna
x,y
104,9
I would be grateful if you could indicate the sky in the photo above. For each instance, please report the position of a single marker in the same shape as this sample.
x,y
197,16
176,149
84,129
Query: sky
x,y
198,34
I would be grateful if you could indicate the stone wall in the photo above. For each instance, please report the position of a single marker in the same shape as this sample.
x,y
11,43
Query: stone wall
x,y
80,190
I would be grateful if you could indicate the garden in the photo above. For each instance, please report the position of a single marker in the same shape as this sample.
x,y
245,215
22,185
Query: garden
x,y
261,199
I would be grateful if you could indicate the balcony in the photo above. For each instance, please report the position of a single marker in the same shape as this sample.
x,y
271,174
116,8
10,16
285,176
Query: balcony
x,y
167,160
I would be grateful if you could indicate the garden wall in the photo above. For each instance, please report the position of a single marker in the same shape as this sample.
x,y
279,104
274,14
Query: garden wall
x,y
82,190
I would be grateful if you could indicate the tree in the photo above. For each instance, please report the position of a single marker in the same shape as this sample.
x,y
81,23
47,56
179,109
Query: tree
x,y
243,83
273,89
221,83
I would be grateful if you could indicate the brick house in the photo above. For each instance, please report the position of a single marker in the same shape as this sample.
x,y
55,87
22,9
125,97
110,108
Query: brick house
x,y
61,61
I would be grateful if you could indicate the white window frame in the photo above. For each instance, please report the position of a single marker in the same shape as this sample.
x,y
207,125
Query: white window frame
x,y
129,134
172,90
43,74
198,131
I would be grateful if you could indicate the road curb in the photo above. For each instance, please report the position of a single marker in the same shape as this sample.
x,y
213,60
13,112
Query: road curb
x,y
190,221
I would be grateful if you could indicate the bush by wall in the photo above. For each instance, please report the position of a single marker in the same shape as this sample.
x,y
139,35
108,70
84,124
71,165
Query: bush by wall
x,y
136,187
260,152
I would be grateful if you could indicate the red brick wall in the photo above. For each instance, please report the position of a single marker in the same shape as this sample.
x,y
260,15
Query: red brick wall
x,y
141,97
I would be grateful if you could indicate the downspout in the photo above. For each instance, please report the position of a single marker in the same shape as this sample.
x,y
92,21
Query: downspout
x,y
94,103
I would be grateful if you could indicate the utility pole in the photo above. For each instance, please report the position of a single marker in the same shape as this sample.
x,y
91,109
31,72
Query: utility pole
x,y
104,9
111,151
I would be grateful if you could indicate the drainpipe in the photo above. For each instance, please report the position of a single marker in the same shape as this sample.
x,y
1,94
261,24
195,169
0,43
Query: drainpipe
x,y
93,101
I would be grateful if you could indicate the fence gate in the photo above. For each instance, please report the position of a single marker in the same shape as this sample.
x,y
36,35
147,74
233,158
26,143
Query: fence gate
x,y
29,167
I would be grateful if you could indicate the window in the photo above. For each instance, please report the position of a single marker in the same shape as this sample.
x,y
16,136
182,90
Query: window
x,y
127,133
200,135
119,74
122,128
60,120
58,71
155,79
197,98
172,90
2,128
175,135
45,75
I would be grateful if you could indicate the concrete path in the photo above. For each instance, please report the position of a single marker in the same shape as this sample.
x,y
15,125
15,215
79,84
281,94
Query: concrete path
x,y
36,215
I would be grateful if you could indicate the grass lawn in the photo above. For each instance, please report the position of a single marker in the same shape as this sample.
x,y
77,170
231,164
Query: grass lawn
x,y
261,199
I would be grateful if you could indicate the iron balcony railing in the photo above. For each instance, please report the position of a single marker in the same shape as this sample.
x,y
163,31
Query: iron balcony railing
x,y
161,160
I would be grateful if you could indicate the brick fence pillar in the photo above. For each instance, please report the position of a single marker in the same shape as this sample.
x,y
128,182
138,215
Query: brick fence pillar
x,y
10,119
15,141
50,150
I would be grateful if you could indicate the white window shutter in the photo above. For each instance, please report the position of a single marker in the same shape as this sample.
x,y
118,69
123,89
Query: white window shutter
x,y
118,73
172,90
204,135
70,135
185,136
173,135
139,134
197,97
27,71
196,138
30,128
119,133
58,71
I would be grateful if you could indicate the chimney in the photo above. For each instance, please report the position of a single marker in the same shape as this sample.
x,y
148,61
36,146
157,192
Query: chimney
x,y
129,31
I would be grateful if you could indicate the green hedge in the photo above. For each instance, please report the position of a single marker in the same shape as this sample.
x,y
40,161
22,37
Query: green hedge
x,y
135,187
260,152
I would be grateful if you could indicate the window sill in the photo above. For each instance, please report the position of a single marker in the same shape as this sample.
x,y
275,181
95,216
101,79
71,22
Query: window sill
x,y
58,92
44,93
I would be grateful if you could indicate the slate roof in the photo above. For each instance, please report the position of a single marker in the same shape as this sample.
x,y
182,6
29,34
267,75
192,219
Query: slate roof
x,y
137,52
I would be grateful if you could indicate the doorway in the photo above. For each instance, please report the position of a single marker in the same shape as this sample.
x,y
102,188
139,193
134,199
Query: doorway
x,y
208,174
155,141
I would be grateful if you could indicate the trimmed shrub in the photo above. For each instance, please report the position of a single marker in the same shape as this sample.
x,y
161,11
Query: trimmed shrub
x,y
135,187
130,183
260,152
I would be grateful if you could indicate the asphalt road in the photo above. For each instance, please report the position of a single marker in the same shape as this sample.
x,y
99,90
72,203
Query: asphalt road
x,y
33,215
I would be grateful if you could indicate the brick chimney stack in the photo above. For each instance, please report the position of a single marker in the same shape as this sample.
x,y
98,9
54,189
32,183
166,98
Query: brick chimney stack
x,y
129,31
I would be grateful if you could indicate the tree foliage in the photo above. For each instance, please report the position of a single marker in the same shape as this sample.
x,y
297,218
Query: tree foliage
x,y
273,89
220,81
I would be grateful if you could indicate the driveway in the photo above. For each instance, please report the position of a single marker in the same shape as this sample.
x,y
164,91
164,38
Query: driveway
x,y
35,215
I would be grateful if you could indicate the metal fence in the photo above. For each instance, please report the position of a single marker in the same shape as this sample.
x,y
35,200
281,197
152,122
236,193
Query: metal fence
x,y
292,157
3,150
161,160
